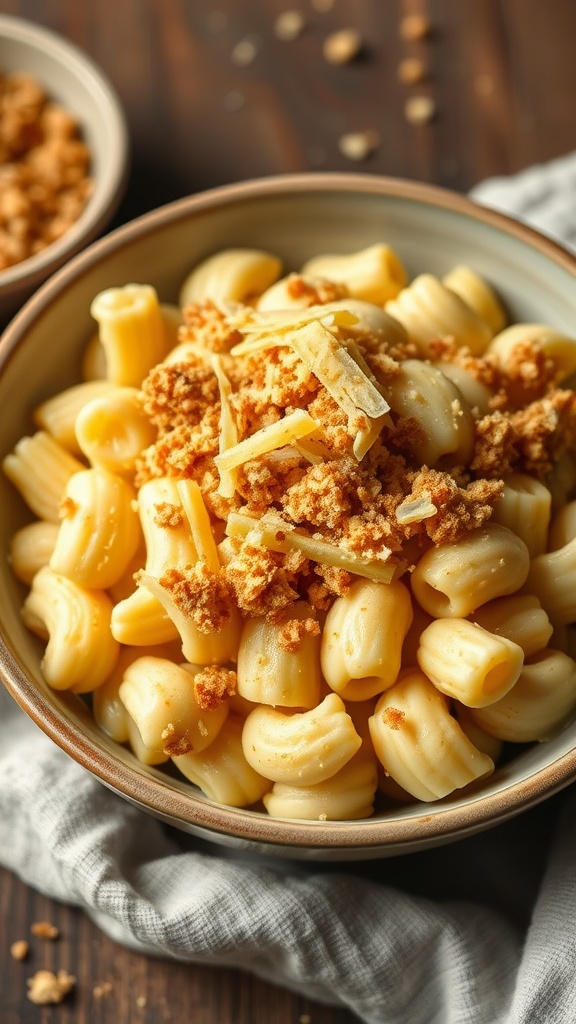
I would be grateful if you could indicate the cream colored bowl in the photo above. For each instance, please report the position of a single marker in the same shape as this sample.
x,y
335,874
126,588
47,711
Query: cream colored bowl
x,y
70,78
296,217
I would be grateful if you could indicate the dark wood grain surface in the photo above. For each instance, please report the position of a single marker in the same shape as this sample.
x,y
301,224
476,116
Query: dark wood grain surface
x,y
212,95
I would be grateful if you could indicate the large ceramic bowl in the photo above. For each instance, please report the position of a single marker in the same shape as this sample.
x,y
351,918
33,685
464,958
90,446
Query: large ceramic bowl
x,y
70,78
295,217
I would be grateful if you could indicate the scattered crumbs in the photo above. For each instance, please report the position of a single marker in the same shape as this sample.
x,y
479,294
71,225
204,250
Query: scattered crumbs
x,y
414,27
234,100
213,685
420,109
323,817
245,52
484,85
343,46
101,990
358,145
411,70
44,930
19,950
322,6
141,1002
393,717
46,988
305,1018
289,25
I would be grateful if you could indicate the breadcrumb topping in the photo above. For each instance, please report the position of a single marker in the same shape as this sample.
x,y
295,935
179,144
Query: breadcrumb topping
x,y
319,486
201,595
213,685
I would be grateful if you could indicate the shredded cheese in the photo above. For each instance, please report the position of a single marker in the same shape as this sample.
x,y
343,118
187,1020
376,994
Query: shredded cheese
x,y
343,373
200,528
415,511
269,329
228,429
291,427
275,534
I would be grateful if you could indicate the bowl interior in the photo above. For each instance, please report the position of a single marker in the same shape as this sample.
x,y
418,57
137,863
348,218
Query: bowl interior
x,y
296,217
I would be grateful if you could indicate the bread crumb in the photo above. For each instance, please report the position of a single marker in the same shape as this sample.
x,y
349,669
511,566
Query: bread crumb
x,y
44,930
343,46
46,988
394,717
289,25
44,169
102,989
141,1002
411,70
419,109
305,1018
213,685
414,27
358,145
19,950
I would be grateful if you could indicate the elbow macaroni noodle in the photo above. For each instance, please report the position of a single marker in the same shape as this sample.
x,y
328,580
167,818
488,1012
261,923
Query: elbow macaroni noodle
x,y
408,681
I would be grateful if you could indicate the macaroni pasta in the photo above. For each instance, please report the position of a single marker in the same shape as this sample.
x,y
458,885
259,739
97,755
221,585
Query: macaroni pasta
x,y
310,537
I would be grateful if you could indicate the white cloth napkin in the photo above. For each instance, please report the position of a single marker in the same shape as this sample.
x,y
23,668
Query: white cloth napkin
x,y
482,931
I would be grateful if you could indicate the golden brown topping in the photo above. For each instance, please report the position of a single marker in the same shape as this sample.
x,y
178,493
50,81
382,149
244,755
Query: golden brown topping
x,y
458,508
316,293
167,515
210,326
263,581
213,685
174,743
317,499
44,170
67,508
204,596
295,631
394,717
179,394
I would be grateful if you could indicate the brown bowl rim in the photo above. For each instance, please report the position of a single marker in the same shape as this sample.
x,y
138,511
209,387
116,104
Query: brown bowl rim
x,y
373,835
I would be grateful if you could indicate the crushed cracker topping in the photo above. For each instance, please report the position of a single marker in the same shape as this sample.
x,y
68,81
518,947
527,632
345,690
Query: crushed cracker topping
x,y
213,685
376,504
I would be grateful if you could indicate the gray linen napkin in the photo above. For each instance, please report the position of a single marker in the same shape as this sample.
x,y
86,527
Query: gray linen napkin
x,y
482,931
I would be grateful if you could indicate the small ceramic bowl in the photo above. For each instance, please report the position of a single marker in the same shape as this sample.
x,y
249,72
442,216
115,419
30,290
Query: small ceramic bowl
x,y
295,217
71,79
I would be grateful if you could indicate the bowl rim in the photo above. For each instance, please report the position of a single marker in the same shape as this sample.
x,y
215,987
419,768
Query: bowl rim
x,y
112,179
371,836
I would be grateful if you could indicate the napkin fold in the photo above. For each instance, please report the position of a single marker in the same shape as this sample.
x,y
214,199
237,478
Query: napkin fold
x,y
482,931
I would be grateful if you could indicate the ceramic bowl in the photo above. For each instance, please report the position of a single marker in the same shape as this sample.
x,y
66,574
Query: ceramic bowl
x,y
295,217
71,79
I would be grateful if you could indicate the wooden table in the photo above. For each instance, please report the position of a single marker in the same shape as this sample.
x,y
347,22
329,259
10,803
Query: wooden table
x,y
212,95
